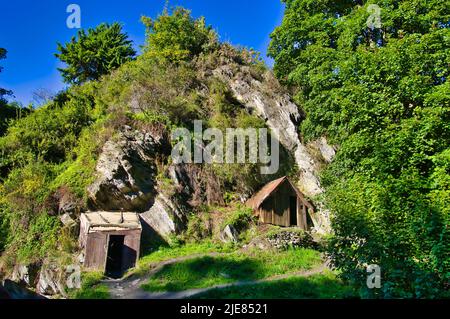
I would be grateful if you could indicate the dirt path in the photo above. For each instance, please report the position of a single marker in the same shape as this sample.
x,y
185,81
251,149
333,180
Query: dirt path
x,y
130,288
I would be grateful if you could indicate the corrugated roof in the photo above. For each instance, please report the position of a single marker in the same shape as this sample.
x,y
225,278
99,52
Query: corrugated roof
x,y
111,221
256,200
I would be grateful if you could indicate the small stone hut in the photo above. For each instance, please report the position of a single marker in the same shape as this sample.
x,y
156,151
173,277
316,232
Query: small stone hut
x,y
281,203
110,241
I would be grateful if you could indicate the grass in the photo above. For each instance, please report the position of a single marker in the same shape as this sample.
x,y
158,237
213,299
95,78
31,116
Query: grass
x,y
210,271
320,286
188,249
91,287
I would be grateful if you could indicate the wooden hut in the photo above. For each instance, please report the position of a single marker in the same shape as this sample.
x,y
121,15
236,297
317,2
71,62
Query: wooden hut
x,y
110,241
281,203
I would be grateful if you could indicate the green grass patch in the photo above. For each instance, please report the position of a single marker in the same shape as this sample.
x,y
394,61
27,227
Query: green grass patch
x,y
320,286
210,271
166,253
91,288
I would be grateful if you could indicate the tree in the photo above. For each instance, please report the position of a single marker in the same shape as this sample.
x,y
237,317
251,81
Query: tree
x,y
94,53
3,92
8,111
382,95
177,36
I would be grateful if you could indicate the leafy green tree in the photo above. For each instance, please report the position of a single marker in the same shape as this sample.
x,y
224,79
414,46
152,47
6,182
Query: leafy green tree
x,y
177,36
94,53
381,95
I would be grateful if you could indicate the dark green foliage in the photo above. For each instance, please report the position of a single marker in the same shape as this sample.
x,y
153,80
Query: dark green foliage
x,y
383,96
8,111
47,133
40,154
3,91
94,53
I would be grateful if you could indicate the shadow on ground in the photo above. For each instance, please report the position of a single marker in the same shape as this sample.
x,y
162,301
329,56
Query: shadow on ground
x,y
204,272
321,286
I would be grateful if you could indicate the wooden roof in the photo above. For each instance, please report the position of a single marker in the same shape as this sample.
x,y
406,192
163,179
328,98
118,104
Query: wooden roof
x,y
256,200
111,221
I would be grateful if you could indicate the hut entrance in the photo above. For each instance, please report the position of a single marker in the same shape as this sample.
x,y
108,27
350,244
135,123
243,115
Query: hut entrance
x,y
115,256
110,241
293,210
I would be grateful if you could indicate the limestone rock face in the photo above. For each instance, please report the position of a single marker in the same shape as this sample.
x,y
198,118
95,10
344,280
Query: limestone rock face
x,y
52,281
164,217
265,98
229,234
25,274
327,151
125,173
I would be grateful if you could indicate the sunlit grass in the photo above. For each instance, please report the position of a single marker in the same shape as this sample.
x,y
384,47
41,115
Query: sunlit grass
x,y
91,288
189,249
238,266
319,286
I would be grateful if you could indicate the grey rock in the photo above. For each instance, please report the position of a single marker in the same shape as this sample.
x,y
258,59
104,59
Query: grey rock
x,y
21,274
67,220
327,151
51,280
164,217
125,173
229,234
25,274
80,258
265,98
286,239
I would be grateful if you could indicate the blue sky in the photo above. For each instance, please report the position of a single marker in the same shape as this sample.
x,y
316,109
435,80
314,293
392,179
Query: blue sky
x,y
30,30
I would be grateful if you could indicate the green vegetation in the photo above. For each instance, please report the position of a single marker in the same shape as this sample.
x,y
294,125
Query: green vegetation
x,y
240,218
320,286
90,287
209,271
178,251
40,154
382,96
94,53
177,36
3,91
53,151
8,111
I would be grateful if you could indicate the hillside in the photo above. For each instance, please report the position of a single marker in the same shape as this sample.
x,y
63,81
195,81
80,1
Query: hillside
x,y
336,172
105,146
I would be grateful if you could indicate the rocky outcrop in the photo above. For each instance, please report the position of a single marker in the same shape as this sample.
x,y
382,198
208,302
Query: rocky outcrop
x,y
51,282
229,234
164,217
326,151
283,240
125,173
288,239
265,98
25,274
